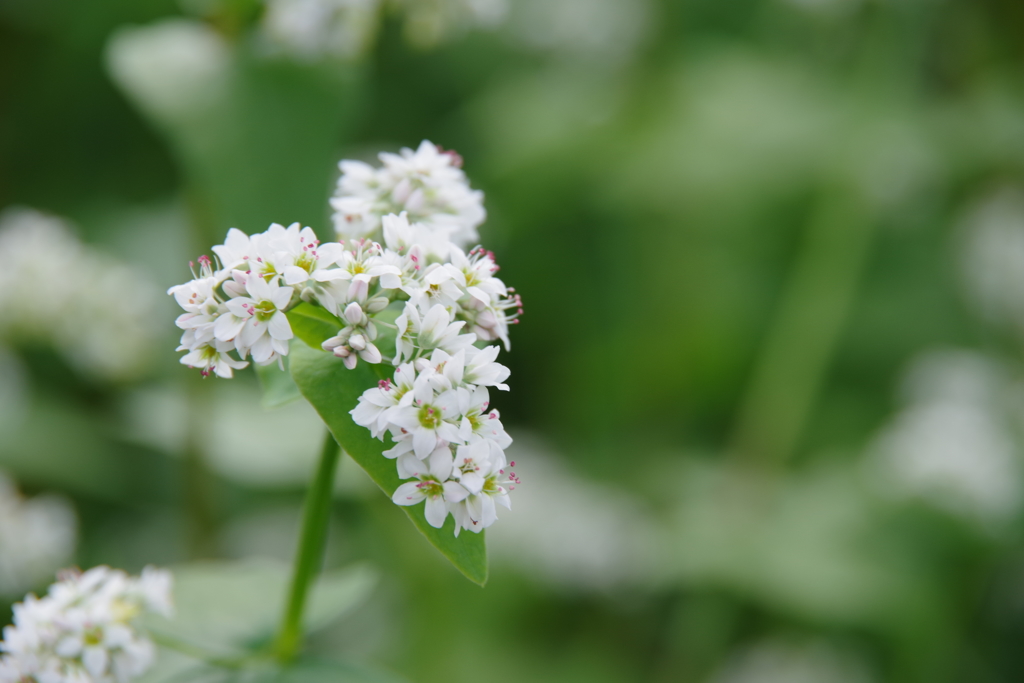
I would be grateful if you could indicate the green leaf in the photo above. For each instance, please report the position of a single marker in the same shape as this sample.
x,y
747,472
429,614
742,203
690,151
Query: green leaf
x,y
278,386
313,324
334,390
228,608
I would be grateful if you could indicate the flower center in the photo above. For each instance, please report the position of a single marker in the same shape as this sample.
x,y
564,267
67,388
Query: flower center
x,y
306,262
430,417
265,310
430,487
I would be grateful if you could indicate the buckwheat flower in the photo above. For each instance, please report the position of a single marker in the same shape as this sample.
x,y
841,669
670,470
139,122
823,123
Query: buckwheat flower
x,y
427,183
257,323
481,468
85,630
427,421
73,313
438,331
303,258
482,370
313,30
37,535
436,286
432,485
213,356
375,404
474,273
202,309
236,250
360,264
477,421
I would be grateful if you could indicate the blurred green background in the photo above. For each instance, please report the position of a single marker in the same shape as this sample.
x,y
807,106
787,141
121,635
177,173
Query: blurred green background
x,y
768,393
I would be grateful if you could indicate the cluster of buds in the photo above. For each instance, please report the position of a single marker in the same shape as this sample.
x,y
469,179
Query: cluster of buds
x,y
397,276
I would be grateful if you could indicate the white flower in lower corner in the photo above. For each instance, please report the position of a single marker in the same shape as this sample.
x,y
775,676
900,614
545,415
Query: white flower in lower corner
x,y
85,630
431,485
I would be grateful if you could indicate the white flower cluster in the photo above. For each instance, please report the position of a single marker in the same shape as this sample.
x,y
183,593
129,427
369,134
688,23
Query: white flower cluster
x,y
85,629
37,535
427,184
97,314
445,304
314,30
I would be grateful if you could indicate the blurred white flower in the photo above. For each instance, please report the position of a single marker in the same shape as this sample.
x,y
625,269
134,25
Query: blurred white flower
x,y
97,313
610,31
992,255
574,534
428,184
311,30
430,22
85,630
782,662
37,535
175,69
952,445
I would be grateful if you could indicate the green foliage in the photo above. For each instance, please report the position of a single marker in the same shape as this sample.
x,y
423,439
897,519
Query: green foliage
x,y
231,608
227,613
278,387
334,391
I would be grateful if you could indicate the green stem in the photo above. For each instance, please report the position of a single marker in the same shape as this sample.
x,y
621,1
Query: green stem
x,y
801,342
310,553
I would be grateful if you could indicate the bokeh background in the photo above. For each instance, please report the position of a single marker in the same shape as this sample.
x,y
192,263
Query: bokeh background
x,y
768,393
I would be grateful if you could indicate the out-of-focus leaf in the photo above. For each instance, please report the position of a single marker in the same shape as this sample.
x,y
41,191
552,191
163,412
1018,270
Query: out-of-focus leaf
x,y
312,324
314,671
334,390
278,387
225,608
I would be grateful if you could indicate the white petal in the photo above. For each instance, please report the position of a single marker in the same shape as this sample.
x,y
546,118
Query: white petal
x,y
408,494
279,327
436,511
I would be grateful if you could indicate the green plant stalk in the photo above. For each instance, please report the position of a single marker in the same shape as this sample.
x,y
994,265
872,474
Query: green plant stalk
x,y
310,553
802,339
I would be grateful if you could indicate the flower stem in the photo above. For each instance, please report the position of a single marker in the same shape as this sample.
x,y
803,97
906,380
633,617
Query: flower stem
x,y
310,553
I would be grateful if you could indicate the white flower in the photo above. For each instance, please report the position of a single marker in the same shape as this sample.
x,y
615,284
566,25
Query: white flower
x,y
482,370
437,331
354,217
198,299
56,291
480,469
375,404
475,274
235,252
432,485
213,357
37,535
428,420
85,629
428,183
311,30
477,421
257,323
